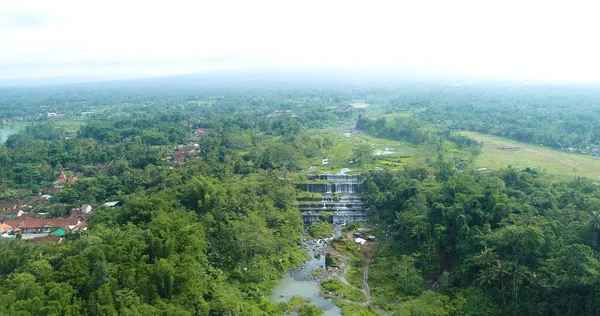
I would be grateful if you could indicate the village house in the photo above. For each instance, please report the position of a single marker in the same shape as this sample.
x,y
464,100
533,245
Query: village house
x,y
13,213
112,204
183,152
28,215
45,239
341,108
5,229
42,226
47,191
360,106
11,204
85,209
278,113
201,132
82,212
12,208
62,180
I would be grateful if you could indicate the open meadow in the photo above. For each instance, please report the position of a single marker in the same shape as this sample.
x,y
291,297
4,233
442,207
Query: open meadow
x,y
500,153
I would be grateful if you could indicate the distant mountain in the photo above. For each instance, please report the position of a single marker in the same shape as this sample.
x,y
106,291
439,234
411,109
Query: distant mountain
x,y
268,77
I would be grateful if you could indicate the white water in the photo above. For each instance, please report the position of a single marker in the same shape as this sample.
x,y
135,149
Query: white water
x,y
300,282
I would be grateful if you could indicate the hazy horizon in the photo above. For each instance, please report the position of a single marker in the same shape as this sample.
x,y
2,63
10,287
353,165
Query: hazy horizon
x,y
466,39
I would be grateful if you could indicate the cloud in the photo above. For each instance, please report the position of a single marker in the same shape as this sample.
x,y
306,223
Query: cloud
x,y
15,16
491,38
22,21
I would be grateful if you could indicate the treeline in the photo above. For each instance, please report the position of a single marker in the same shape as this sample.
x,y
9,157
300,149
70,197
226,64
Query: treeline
x,y
154,130
494,243
403,129
553,116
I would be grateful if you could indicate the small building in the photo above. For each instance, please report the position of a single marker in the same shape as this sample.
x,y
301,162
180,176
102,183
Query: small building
x,y
13,213
360,241
341,108
11,204
5,229
85,209
28,215
112,204
80,227
59,232
38,199
47,191
62,180
201,132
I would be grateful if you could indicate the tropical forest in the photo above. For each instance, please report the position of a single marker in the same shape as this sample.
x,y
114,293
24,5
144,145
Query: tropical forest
x,y
191,196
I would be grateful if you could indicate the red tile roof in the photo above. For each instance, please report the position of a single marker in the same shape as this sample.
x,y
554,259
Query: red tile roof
x,y
62,178
29,215
51,190
12,211
12,204
43,223
4,228
202,132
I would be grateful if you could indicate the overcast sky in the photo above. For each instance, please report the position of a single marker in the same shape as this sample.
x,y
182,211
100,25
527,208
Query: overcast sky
x,y
118,39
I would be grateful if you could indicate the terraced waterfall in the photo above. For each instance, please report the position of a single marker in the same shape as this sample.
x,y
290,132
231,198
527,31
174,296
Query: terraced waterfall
x,y
334,195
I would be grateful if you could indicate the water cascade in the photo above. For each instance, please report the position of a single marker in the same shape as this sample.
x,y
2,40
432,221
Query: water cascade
x,y
336,194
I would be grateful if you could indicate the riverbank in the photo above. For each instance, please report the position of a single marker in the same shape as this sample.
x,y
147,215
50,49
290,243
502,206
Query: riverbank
x,y
302,283
324,282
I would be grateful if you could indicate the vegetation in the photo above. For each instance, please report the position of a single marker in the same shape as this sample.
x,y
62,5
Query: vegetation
x,y
320,230
507,234
341,290
501,153
331,261
355,274
209,230
351,309
310,310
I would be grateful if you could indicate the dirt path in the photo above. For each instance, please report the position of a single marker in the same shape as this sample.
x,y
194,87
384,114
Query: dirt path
x,y
570,163
366,282
366,253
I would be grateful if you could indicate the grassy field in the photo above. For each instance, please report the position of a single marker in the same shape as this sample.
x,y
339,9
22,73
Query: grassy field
x,y
559,164
340,154
71,125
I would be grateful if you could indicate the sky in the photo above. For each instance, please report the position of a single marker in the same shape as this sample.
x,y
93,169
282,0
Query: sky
x,y
545,40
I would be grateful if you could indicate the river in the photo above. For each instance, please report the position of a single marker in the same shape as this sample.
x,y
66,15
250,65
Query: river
x,y
6,131
300,282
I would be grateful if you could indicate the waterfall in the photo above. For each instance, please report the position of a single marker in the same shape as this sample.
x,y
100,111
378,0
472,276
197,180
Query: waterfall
x,y
339,197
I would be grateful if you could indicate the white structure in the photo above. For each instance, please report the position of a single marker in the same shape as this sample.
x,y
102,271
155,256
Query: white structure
x,y
360,241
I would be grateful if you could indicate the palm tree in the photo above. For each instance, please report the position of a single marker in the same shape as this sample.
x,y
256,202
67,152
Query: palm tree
x,y
501,270
595,219
486,258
